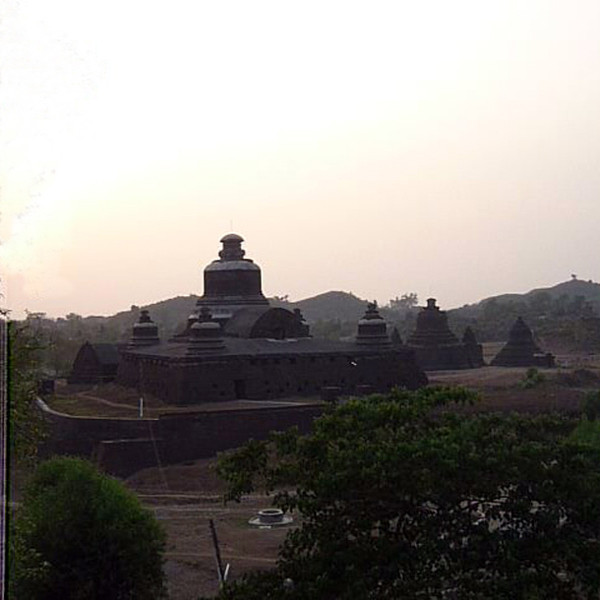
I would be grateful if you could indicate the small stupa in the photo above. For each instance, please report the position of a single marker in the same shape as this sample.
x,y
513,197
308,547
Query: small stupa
x,y
206,334
521,349
372,329
145,331
434,345
474,349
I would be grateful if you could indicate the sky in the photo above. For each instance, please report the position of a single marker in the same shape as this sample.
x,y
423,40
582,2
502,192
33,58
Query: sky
x,y
450,149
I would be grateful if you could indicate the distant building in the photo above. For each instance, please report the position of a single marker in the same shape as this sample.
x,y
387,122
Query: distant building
x,y
235,346
95,363
437,348
521,349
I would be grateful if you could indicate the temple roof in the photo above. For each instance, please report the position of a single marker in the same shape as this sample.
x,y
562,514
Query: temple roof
x,y
262,348
243,320
107,354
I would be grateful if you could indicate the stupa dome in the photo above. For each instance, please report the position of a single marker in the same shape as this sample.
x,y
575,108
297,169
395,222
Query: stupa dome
x,y
231,282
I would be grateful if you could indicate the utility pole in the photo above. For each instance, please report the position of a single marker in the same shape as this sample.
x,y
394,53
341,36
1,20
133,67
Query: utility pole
x,y
222,572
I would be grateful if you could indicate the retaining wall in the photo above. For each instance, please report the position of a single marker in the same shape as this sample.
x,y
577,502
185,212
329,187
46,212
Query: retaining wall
x,y
123,446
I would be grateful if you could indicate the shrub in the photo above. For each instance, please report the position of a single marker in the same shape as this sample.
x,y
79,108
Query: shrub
x,y
591,405
403,497
80,534
532,378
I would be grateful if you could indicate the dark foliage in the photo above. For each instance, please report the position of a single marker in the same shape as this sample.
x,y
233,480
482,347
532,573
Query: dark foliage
x,y
403,497
81,535
25,425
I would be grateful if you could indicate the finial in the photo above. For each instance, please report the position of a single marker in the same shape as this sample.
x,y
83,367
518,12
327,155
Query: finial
x,y
232,247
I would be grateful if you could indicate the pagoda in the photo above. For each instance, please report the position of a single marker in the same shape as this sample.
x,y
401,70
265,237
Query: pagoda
x,y
521,349
434,345
474,348
231,282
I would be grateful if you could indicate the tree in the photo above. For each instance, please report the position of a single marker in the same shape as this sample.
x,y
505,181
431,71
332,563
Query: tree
x,y
408,496
405,302
81,535
25,424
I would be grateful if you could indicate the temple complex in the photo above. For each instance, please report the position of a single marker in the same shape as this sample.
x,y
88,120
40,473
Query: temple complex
x,y
236,346
436,347
521,349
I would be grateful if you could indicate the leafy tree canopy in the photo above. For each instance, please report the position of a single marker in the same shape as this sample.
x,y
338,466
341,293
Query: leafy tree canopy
x,y
26,427
81,535
406,496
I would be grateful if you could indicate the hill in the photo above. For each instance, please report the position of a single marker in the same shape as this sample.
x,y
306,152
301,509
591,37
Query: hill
x,y
330,306
588,290
564,315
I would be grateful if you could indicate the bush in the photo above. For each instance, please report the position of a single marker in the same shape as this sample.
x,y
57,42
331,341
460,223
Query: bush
x,y
402,496
532,378
81,535
591,405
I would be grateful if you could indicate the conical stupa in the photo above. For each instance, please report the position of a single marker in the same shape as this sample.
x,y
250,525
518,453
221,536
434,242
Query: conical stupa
x,y
473,347
521,349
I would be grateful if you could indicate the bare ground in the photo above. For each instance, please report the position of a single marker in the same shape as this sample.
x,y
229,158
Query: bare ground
x,y
184,498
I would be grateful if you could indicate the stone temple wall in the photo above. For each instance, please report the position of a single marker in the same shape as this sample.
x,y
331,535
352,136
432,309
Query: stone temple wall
x,y
123,446
257,378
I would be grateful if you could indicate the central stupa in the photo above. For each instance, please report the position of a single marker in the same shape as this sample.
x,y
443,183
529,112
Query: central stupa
x,y
231,282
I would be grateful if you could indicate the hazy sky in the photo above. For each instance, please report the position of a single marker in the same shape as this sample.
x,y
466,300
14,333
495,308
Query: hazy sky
x,y
446,148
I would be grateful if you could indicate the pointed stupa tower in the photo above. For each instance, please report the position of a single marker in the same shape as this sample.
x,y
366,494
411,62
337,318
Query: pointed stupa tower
x,y
435,346
231,282
474,348
521,349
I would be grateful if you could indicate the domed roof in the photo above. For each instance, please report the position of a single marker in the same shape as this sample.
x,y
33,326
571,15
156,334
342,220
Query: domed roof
x,y
231,237
232,280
